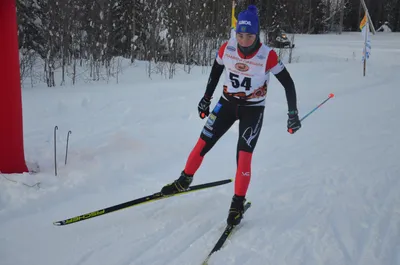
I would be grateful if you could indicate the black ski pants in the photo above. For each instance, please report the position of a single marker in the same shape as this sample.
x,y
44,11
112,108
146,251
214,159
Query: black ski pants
x,y
224,115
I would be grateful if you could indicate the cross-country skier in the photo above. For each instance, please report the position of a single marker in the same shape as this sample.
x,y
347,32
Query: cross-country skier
x,y
248,64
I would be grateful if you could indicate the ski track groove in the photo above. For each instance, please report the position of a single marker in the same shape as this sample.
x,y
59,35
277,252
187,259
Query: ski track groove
x,y
190,224
340,243
389,217
179,251
146,240
381,224
159,234
147,243
88,254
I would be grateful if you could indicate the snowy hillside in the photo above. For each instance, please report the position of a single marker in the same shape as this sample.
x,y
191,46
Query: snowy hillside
x,y
328,194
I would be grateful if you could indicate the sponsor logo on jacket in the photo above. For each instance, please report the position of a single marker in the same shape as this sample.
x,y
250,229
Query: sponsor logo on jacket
x,y
242,60
231,48
242,67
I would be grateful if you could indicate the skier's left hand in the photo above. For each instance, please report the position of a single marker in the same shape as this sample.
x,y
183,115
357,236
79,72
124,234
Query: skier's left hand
x,y
293,123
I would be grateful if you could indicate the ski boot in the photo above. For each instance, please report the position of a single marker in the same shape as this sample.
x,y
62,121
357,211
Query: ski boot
x,y
236,211
181,184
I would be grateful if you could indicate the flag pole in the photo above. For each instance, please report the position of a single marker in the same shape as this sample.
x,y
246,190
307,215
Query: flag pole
x,y
365,25
365,46
233,19
233,13
368,17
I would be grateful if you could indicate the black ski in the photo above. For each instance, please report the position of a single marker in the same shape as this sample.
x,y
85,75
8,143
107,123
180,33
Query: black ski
x,y
225,235
150,198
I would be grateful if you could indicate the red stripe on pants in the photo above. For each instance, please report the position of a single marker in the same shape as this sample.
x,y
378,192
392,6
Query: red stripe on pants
x,y
194,160
243,173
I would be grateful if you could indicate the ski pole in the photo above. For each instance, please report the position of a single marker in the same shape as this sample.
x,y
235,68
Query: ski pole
x,y
322,103
331,95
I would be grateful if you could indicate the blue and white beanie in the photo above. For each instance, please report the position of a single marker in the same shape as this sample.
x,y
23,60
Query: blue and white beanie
x,y
248,21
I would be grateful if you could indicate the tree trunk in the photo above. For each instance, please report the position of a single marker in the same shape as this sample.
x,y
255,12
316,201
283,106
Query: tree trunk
x,y
133,33
341,16
310,16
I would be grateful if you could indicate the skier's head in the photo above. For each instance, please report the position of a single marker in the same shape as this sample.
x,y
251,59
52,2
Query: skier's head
x,y
247,21
247,29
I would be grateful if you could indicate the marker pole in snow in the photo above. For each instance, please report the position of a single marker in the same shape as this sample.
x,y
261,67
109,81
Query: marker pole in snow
x,y
55,149
317,107
66,148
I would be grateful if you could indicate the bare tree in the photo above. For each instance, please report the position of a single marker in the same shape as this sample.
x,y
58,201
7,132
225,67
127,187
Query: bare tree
x,y
341,6
165,33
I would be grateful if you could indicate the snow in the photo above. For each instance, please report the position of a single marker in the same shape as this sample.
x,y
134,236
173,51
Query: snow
x,y
38,22
163,34
328,194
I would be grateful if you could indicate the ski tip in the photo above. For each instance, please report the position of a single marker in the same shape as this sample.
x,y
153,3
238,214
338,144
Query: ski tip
x,y
57,223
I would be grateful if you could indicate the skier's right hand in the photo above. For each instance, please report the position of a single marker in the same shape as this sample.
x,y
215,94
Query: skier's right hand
x,y
204,107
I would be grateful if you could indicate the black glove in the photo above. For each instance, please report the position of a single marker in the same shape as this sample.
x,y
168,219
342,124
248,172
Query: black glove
x,y
293,123
204,107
